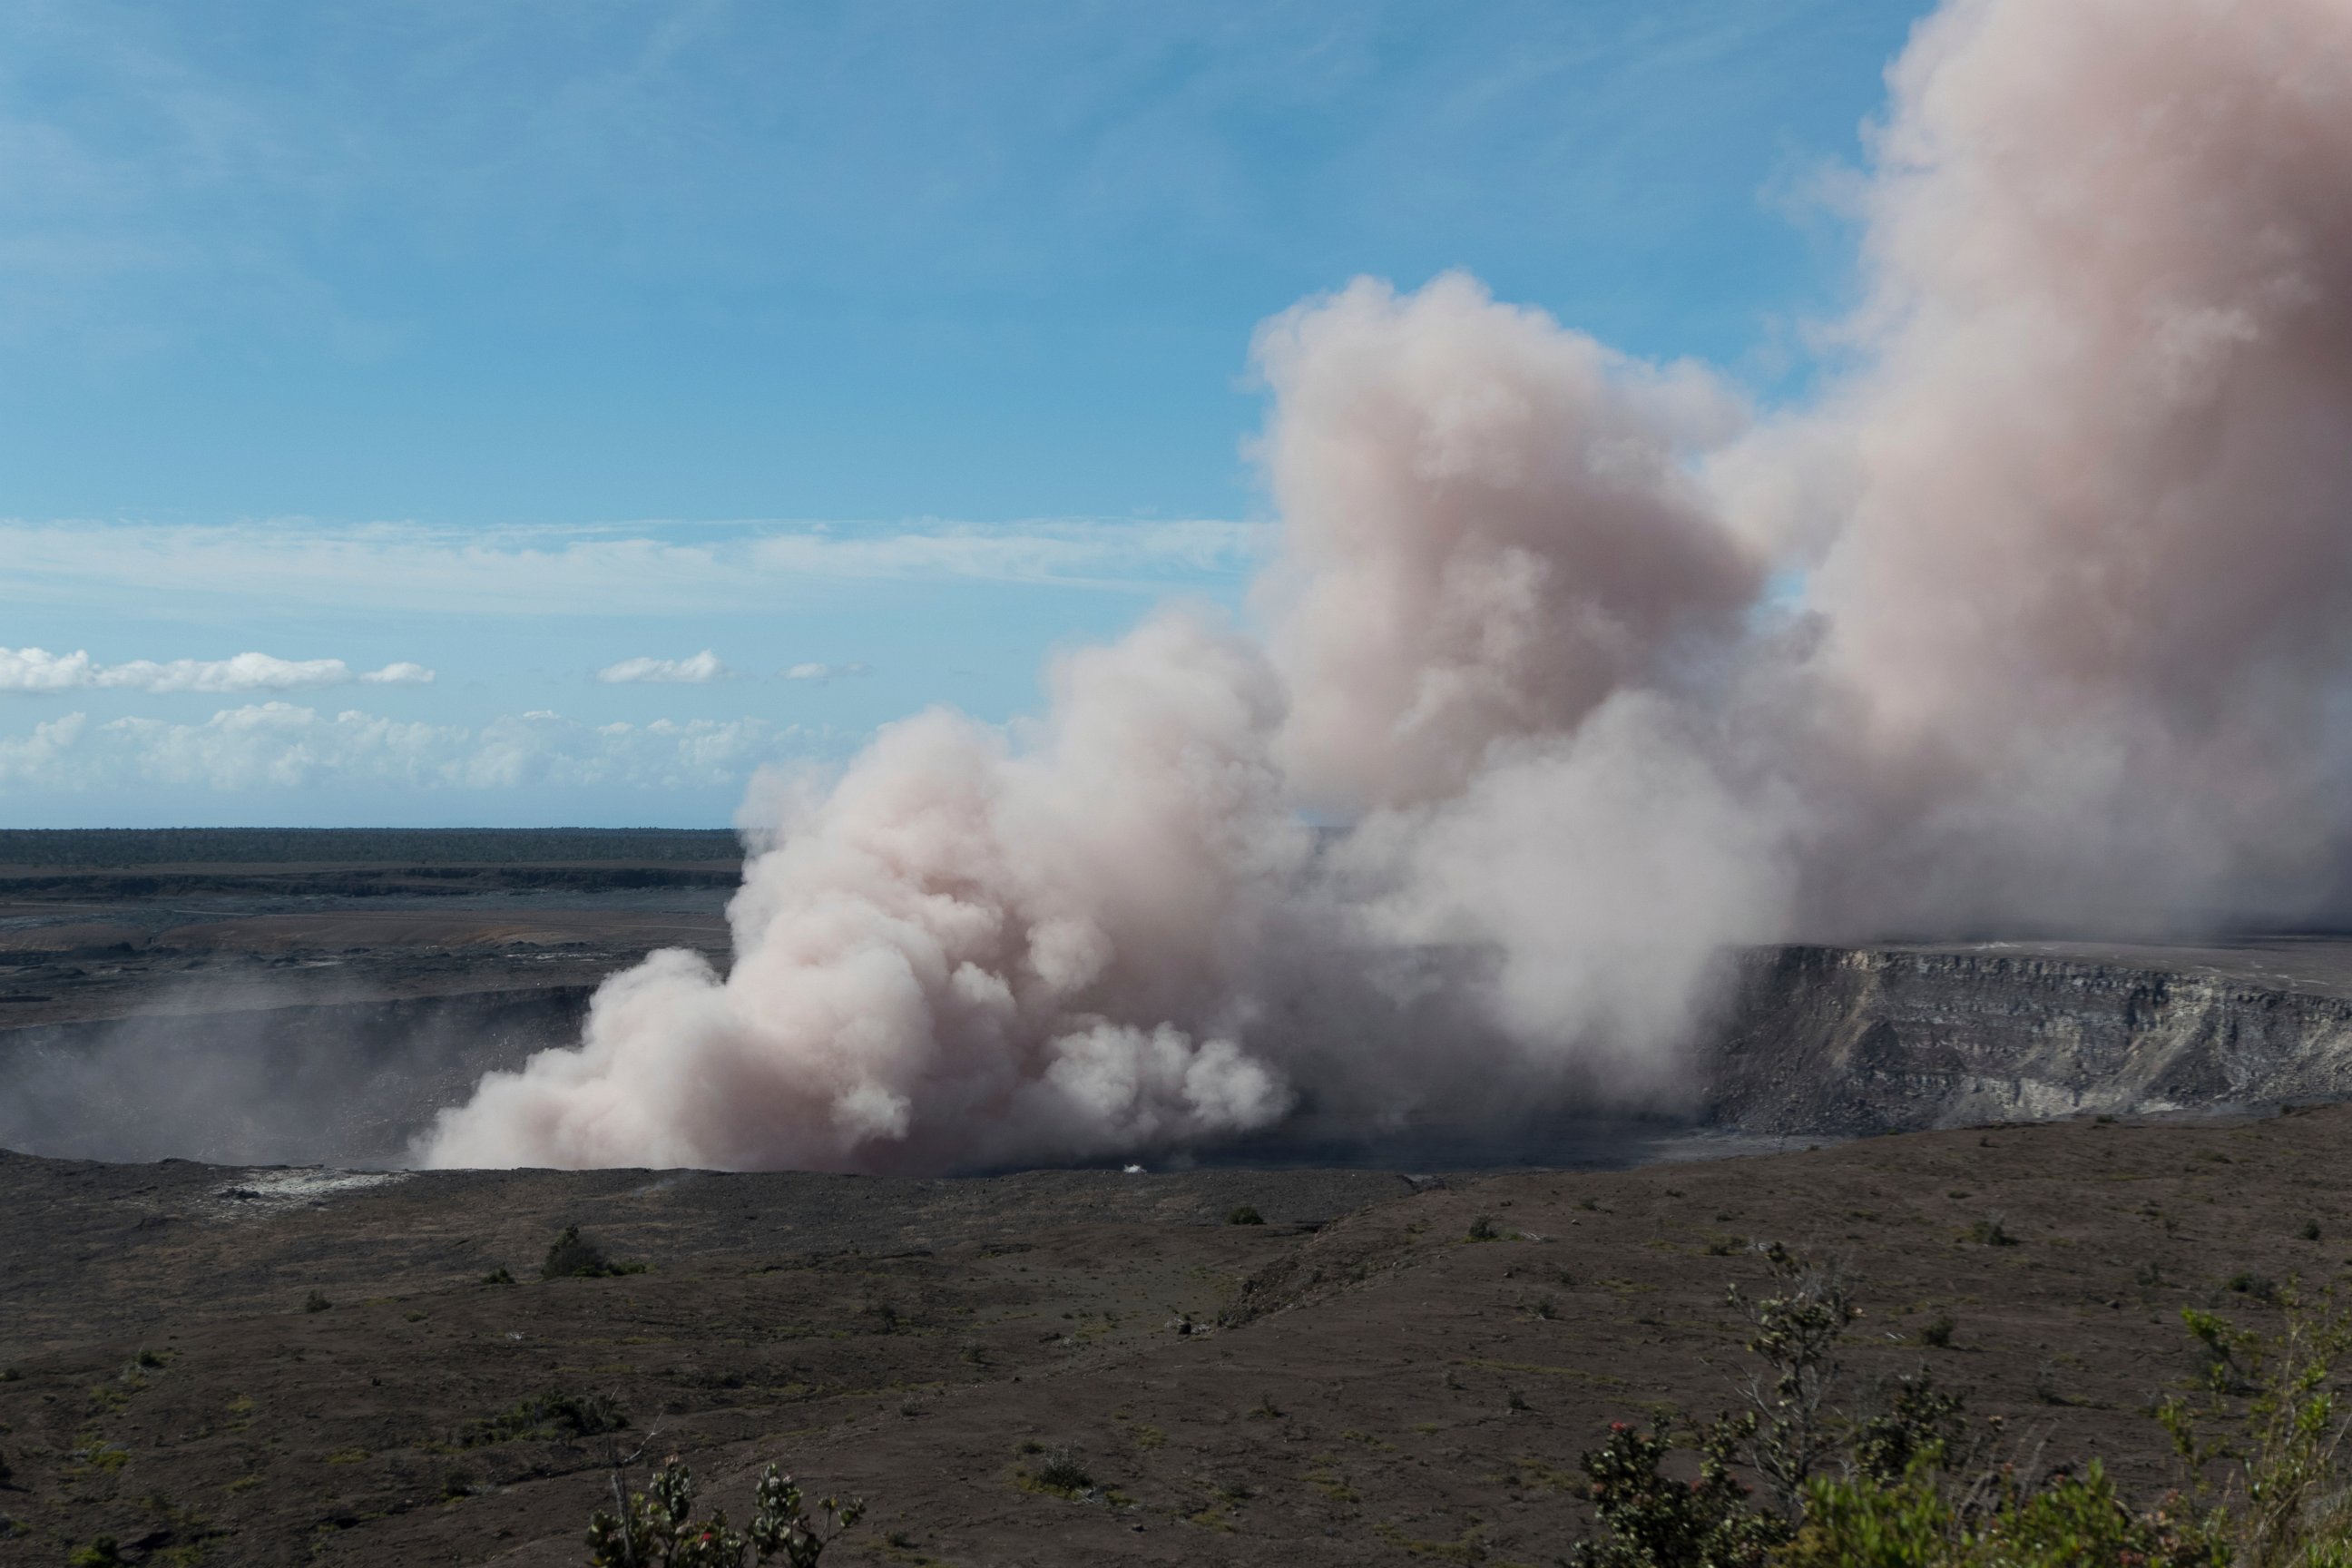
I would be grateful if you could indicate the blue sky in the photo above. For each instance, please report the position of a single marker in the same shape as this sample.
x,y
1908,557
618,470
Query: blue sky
x,y
515,341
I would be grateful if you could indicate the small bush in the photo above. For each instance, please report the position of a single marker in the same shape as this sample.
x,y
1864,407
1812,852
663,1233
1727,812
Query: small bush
x,y
657,1525
101,1553
1245,1214
2310,1231
552,1414
1989,1232
1937,1332
1655,1521
2069,1522
1914,1423
1060,1472
1481,1228
2260,1287
498,1276
572,1255
315,1302
2263,1461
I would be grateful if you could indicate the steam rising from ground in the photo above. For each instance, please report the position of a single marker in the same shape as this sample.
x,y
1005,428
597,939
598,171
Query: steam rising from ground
x,y
2068,647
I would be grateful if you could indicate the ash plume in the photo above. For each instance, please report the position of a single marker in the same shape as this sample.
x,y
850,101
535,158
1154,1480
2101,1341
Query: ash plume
x,y
2034,616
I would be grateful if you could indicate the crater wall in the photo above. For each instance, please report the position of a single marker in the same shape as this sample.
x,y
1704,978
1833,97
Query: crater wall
x,y
1881,1039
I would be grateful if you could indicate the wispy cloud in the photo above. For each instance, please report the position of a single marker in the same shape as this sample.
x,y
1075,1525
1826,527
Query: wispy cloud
x,y
822,672
642,569
33,670
699,670
284,745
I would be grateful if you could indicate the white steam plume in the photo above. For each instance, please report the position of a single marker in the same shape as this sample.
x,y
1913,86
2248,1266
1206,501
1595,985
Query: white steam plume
x,y
961,953
2074,531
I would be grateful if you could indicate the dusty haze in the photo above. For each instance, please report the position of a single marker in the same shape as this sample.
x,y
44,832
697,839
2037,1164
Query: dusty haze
x,y
2035,617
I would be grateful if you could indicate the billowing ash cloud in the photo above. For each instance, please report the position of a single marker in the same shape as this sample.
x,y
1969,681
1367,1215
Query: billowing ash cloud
x,y
36,669
701,668
2073,529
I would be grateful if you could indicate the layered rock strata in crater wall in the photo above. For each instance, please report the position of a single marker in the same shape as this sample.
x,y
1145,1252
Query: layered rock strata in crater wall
x,y
1860,1040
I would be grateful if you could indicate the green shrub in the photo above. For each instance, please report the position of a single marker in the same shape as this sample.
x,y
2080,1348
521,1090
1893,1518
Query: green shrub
x,y
656,1527
498,1276
2260,1287
1936,1333
1655,1521
1061,1472
1989,1232
1917,1424
1790,1425
315,1302
2070,1521
551,1414
572,1255
2273,1493
1481,1228
1910,1485
1245,1214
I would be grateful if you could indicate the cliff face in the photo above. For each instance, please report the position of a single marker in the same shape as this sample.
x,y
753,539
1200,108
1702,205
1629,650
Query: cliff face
x,y
1837,1040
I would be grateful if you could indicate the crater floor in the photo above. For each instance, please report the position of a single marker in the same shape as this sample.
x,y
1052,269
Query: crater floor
x,y
1364,1381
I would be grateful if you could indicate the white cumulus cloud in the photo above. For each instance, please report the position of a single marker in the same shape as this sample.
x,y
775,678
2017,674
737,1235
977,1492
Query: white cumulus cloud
x,y
401,673
823,671
286,745
702,667
37,669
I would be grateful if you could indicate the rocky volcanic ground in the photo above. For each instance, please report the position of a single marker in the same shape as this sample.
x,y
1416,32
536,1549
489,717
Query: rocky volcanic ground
x,y
1362,1381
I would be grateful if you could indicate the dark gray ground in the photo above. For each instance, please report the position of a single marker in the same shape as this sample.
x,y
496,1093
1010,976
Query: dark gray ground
x,y
1366,1384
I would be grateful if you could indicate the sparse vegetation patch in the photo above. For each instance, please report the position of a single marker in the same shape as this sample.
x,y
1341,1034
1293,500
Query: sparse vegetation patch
x,y
551,1414
573,1256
